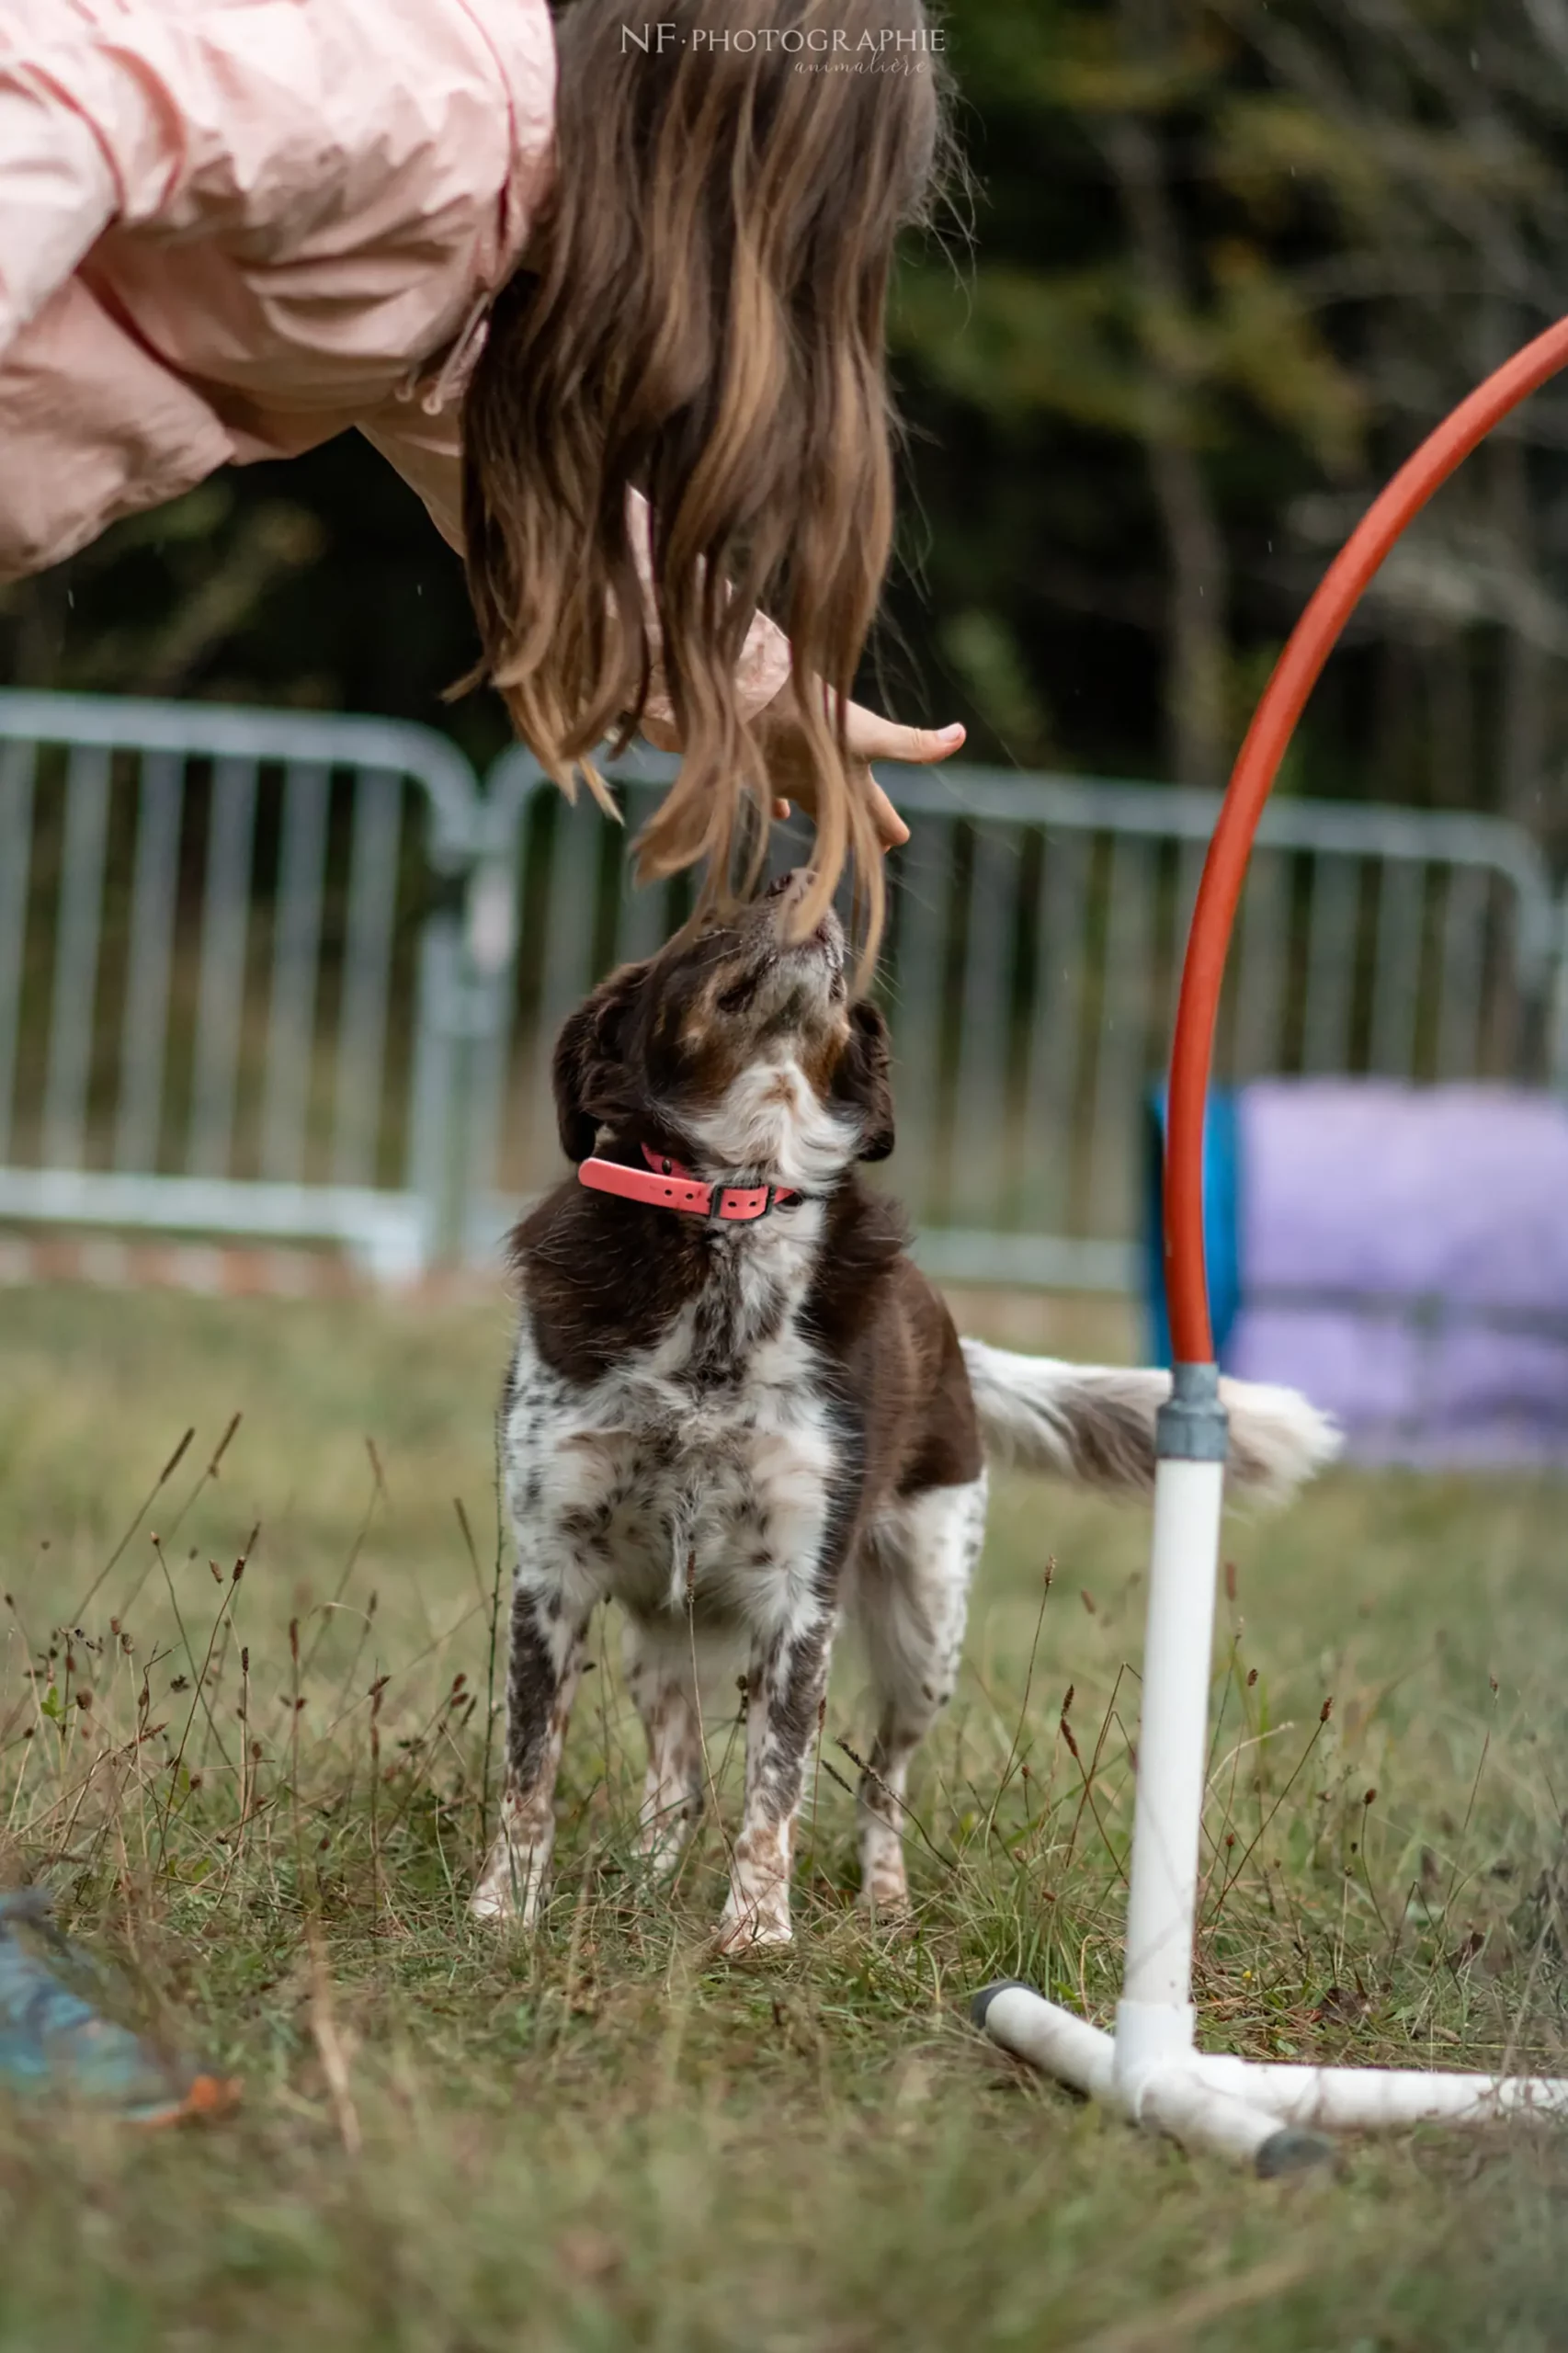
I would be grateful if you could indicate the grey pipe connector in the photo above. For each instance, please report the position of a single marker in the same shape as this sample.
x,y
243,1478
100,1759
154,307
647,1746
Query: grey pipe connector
x,y
988,1993
1192,1425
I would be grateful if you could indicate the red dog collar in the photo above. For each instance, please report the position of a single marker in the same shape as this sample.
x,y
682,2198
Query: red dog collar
x,y
665,1184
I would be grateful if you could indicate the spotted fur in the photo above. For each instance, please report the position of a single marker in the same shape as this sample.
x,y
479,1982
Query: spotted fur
x,y
743,1433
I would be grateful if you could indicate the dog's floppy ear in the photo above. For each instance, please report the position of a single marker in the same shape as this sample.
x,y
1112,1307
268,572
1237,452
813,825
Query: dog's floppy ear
x,y
863,1077
588,1059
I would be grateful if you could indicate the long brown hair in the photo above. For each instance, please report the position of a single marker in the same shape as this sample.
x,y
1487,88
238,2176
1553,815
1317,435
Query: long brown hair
x,y
700,318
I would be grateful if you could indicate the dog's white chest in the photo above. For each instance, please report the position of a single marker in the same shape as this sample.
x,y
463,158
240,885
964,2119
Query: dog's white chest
x,y
673,1496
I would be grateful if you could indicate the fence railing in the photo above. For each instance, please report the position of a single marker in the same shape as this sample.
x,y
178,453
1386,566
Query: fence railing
x,y
282,975
1030,972
229,971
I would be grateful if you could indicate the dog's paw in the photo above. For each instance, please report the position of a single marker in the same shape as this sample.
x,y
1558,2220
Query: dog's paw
x,y
756,1930
507,1896
884,1887
494,1905
887,1910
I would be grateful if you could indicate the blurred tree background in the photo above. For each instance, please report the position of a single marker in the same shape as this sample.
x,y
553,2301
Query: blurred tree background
x,y
1230,262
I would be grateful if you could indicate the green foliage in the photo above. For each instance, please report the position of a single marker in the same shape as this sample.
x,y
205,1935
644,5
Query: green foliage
x,y
1277,240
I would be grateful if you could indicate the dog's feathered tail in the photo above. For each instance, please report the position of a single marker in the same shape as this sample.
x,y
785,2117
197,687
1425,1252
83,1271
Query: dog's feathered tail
x,y
1094,1423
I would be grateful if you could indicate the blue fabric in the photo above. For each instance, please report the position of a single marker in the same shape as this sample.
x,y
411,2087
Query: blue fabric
x,y
1221,1220
53,2040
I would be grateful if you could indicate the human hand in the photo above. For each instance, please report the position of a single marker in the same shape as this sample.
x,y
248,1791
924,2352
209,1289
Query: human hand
x,y
871,737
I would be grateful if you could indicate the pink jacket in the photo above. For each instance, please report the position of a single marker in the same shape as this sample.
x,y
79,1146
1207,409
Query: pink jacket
x,y
232,229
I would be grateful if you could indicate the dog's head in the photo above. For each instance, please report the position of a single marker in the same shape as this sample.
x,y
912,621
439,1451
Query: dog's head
x,y
735,1047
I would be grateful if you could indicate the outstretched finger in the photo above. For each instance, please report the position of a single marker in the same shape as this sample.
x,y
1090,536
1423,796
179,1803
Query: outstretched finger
x,y
874,738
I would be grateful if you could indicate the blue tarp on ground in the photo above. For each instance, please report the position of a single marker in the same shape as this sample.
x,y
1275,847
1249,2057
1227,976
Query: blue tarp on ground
x,y
1398,1252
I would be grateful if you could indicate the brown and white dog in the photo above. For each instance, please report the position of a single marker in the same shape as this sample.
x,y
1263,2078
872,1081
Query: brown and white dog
x,y
737,1408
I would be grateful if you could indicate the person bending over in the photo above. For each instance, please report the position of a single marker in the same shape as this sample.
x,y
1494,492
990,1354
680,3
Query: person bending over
x,y
610,295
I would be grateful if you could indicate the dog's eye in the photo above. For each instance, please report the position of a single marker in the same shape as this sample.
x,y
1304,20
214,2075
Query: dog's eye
x,y
733,999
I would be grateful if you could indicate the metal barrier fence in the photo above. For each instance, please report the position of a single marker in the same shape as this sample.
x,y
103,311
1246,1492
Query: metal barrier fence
x,y
229,971
287,976
1031,974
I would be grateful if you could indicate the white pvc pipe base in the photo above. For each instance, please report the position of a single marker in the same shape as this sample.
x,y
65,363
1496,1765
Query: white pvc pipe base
x,y
1266,2116
1149,2069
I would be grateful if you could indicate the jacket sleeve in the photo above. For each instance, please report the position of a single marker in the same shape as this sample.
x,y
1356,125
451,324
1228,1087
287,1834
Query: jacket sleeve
x,y
427,452
57,196
108,114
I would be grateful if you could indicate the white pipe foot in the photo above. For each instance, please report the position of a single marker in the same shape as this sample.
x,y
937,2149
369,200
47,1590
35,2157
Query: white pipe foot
x,y
1047,2036
1169,2096
1371,2099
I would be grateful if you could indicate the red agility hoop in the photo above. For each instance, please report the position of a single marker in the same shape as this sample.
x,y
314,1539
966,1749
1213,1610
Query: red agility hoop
x,y
1269,2116
1257,764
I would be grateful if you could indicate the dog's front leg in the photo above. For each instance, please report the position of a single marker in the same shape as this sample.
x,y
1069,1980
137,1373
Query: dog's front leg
x,y
663,1689
784,1693
546,1661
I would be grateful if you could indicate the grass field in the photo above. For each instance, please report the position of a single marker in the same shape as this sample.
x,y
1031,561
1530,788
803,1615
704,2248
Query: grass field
x,y
603,2138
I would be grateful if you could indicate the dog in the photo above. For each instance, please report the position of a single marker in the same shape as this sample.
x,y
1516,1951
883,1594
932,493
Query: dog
x,y
737,1408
